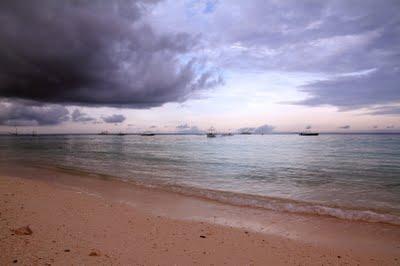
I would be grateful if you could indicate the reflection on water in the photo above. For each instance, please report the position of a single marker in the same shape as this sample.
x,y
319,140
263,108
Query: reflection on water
x,y
354,171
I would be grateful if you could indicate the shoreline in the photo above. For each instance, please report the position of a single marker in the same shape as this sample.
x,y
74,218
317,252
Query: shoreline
x,y
266,203
299,207
93,204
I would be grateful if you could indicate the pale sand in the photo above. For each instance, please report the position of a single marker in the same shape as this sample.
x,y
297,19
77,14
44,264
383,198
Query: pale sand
x,y
68,225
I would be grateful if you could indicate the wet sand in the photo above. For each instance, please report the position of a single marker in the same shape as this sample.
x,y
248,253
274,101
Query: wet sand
x,y
90,221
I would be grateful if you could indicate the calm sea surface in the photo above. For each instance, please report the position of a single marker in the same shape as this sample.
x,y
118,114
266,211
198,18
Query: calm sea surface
x,y
346,176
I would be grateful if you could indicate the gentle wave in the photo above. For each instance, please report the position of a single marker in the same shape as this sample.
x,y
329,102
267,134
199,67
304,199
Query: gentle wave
x,y
285,205
256,201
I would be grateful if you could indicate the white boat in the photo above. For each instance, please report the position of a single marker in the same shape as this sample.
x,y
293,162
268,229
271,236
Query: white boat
x,y
211,133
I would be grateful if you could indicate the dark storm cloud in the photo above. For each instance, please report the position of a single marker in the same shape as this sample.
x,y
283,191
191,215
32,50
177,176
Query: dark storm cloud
x,y
114,118
345,127
78,116
93,53
22,114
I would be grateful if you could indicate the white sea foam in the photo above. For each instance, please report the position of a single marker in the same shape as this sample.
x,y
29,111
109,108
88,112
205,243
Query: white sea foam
x,y
286,205
258,201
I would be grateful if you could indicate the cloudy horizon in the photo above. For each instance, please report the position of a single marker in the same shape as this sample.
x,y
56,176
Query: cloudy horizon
x,y
184,66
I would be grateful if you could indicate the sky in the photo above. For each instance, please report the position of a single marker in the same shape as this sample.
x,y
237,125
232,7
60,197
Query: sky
x,y
185,65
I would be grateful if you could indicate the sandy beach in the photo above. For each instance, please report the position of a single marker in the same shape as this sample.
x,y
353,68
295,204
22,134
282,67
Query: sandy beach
x,y
200,132
51,223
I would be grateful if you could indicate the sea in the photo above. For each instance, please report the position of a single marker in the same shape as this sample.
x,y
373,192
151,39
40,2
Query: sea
x,y
347,176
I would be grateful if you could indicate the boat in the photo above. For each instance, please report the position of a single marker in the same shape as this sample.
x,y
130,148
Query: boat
x,y
245,133
103,133
121,134
309,134
147,134
211,133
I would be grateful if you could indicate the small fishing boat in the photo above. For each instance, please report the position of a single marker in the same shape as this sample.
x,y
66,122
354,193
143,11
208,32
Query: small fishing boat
x,y
211,133
147,134
309,134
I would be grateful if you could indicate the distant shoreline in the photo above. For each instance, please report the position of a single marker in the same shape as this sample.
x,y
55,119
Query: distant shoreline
x,y
199,134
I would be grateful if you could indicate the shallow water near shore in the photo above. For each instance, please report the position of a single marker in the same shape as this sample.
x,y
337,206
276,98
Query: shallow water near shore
x,y
354,177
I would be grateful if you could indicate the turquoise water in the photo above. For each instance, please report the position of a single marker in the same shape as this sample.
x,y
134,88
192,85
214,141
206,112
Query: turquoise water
x,y
346,176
